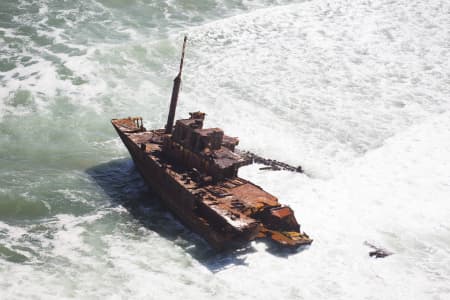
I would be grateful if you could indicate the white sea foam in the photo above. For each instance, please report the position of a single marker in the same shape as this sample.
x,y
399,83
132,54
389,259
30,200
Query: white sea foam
x,y
345,76
396,196
356,92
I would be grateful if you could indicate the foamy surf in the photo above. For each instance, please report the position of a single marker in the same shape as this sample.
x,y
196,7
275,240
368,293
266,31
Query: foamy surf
x,y
355,92
345,77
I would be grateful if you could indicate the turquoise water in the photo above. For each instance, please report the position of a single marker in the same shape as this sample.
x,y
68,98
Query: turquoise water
x,y
356,92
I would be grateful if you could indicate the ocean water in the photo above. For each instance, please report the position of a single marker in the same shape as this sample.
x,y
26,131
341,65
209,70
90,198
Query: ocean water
x,y
357,92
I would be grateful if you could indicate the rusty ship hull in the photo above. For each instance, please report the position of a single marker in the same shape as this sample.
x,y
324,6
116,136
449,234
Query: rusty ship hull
x,y
227,214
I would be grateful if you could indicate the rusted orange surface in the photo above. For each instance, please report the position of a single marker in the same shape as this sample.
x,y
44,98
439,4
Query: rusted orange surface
x,y
282,213
254,196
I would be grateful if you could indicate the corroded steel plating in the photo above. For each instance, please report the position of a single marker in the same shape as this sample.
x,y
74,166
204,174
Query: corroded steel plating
x,y
194,171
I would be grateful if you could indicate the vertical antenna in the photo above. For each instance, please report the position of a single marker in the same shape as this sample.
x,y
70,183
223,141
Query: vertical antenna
x,y
175,91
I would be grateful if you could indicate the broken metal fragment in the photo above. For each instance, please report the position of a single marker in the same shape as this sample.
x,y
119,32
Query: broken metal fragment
x,y
377,252
271,164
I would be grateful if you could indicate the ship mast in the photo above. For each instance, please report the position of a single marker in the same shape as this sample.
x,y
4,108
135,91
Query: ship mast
x,y
175,91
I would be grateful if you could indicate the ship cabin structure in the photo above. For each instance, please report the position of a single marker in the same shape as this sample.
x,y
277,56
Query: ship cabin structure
x,y
206,150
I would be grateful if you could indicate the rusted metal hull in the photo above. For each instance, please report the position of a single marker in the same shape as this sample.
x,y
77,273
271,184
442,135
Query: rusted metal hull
x,y
227,214
181,201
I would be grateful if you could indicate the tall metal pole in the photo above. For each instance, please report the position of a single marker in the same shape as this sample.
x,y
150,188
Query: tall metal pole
x,y
175,91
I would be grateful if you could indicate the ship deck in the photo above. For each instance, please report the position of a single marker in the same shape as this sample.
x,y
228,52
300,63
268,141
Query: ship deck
x,y
235,199
232,202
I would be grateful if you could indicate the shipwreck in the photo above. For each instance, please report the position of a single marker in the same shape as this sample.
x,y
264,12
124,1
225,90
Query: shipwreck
x,y
194,172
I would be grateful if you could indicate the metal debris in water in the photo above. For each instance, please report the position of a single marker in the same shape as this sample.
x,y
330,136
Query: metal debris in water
x,y
271,164
377,252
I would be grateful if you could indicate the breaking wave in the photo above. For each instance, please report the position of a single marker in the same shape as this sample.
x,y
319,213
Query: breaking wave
x,y
354,91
